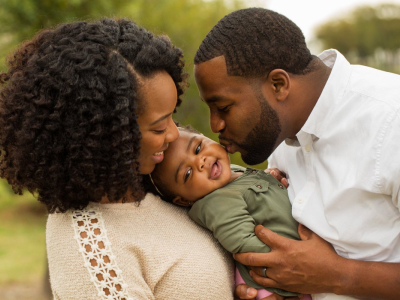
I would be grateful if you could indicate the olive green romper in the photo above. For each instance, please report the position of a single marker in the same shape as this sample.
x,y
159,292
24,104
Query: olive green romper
x,y
233,211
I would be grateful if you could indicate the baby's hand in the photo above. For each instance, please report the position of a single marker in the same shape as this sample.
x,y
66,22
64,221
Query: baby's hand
x,y
279,175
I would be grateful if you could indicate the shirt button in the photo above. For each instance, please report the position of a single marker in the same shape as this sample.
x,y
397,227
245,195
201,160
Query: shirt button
x,y
307,148
280,185
259,186
300,200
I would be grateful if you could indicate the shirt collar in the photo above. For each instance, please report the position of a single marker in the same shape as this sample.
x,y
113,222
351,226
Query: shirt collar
x,y
330,96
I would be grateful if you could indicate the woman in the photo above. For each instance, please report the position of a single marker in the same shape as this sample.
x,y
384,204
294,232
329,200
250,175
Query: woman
x,y
85,111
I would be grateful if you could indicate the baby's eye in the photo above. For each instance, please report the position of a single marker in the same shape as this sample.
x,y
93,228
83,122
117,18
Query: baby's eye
x,y
198,148
187,174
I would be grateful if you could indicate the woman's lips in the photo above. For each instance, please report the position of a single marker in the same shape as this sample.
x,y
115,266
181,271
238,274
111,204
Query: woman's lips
x,y
158,157
216,170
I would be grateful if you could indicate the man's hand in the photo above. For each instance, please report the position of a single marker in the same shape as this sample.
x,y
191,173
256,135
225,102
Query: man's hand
x,y
279,175
308,266
311,266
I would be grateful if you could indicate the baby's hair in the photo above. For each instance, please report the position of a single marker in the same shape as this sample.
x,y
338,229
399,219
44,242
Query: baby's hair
x,y
189,128
154,185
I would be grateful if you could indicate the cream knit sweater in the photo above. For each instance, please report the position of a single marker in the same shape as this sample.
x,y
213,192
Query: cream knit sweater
x,y
125,251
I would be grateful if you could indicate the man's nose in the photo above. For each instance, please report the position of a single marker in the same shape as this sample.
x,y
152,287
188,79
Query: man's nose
x,y
217,124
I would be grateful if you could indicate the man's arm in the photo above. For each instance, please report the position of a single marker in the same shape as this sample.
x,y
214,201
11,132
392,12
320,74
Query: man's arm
x,y
312,266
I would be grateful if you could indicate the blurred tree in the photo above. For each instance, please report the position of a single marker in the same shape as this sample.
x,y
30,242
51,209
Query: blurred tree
x,y
21,19
368,35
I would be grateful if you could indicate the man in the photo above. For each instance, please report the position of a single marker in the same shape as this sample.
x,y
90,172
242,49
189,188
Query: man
x,y
338,131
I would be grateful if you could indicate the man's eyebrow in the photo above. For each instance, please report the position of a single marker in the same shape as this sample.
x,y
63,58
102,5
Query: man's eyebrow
x,y
187,149
213,99
161,118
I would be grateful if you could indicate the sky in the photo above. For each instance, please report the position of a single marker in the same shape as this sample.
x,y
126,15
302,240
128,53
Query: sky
x,y
308,14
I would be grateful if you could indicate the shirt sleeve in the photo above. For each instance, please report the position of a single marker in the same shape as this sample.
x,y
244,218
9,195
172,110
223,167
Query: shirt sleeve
x,y
387,168
225,213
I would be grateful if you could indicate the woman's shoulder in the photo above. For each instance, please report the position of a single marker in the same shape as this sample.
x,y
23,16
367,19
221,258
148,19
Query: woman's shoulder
x,y
150,204
143,244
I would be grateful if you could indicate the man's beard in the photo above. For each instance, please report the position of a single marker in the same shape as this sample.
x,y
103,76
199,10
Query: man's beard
x,y
260,142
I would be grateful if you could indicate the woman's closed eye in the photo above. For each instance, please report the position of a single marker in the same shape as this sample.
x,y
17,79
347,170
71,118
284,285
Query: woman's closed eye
x,y
160,131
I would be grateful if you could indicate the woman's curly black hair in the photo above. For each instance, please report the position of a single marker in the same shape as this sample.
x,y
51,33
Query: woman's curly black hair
x,y
68,110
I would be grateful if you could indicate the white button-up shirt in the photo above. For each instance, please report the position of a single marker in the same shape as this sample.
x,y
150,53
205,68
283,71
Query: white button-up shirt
x,y
344,167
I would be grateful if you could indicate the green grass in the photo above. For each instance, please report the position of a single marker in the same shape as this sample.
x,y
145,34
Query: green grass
x,y
22,238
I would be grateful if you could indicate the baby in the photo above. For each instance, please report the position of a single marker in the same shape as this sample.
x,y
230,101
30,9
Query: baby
x,y
227,199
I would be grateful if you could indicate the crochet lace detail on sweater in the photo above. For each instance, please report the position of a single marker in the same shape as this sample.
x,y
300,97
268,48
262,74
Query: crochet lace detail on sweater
x,y
91,235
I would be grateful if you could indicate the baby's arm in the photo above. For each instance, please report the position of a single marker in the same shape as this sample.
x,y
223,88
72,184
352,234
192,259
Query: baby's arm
x,y
225,214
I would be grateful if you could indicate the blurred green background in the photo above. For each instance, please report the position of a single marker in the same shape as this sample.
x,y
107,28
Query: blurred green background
x,y
368,35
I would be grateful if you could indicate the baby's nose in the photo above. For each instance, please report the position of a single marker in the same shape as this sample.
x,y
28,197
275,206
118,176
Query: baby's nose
x,y
201,163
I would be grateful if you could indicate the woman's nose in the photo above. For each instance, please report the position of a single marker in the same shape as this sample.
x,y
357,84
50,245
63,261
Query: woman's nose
x,y
173,133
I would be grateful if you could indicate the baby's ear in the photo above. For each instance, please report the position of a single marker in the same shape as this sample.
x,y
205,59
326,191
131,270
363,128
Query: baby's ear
x,y
178,200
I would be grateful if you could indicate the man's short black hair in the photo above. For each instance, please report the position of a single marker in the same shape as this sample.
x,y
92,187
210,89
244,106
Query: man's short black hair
x,y
255,41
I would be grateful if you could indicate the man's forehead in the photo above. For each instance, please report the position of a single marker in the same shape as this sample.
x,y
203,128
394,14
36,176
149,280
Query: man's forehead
x,y
211,67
